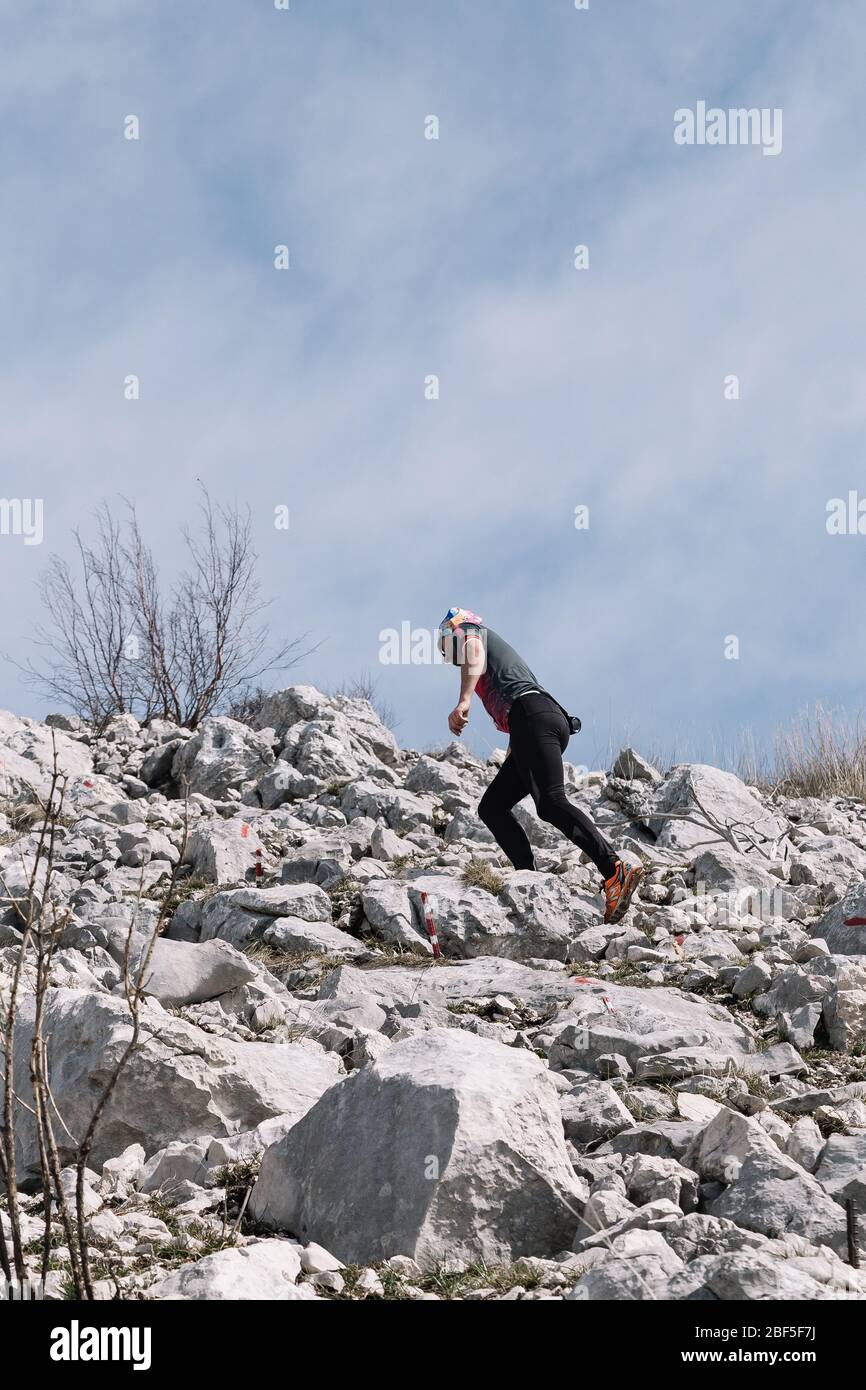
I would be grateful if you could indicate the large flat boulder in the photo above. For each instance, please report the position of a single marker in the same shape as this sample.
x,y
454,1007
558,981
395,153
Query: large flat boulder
x,y
449,1146
587,1018
246,914
262,1269
294,936
766,1275
638,1023
179,1083
451,982
183,972
535,916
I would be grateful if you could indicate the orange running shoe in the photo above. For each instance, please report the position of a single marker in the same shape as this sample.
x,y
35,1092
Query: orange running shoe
x,y
619,890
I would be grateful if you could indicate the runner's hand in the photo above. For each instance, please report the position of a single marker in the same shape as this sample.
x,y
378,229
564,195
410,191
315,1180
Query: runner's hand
x,y
458,719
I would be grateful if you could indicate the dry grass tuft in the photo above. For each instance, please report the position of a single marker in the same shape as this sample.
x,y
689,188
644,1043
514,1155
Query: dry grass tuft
x,y
822,754
479,874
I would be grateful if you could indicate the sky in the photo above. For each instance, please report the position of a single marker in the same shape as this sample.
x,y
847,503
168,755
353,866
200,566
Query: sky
x,y
409,257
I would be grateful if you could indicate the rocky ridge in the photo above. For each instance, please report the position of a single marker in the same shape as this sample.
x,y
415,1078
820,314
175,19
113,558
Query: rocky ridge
x,y
671,1107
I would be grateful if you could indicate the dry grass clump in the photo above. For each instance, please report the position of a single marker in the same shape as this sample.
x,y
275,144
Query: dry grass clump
x,y
479,874
822,754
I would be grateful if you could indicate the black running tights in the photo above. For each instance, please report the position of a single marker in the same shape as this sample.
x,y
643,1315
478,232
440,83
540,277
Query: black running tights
x,y
539,736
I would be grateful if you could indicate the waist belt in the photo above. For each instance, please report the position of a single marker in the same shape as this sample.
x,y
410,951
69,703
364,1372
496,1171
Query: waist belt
x,y
572,719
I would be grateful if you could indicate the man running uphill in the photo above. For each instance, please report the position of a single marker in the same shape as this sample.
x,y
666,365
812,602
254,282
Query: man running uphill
x,y
538,729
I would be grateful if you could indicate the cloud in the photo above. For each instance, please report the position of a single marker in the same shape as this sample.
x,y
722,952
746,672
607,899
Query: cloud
x,y
412,257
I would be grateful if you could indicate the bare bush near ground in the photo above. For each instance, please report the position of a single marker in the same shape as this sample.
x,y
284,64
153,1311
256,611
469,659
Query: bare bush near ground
x,y
39,933
247,705
366,687
42,922
114,643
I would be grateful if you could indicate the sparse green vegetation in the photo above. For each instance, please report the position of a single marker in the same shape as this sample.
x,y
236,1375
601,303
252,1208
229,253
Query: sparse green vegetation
x,y
237,1178
271,957
755,1085
338,786
392,953
184,889
283,964
453,1283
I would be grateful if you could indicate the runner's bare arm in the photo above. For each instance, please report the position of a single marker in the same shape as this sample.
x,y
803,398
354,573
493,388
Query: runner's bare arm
x,y
471,669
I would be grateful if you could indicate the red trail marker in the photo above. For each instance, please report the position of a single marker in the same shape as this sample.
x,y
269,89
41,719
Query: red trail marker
x,y
431,926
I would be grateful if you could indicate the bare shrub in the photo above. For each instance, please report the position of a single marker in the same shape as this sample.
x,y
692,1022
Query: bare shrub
x,y
247,705
41,922
115,643
366,687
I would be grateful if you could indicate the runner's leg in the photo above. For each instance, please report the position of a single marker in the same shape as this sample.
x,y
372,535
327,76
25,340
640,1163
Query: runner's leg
x,y
539,737
507,788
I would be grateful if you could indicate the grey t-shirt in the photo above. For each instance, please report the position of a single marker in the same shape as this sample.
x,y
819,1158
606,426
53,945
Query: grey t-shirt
x,y
506,675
